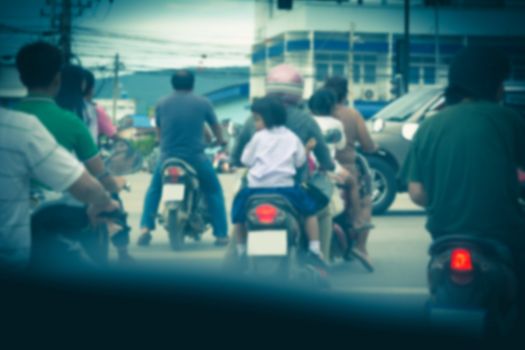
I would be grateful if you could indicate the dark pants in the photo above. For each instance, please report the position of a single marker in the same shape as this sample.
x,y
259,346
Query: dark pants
x,y
209,185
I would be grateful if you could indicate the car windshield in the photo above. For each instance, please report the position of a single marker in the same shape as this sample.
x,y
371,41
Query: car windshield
x,y
402,108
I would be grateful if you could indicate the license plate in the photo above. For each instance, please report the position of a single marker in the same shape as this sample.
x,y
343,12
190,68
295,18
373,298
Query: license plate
x,y
172,192
267,243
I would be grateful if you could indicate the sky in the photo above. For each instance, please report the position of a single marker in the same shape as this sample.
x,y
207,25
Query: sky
x,y
147,35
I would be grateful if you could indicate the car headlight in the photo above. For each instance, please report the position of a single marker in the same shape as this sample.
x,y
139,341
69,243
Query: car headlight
x,y
378,125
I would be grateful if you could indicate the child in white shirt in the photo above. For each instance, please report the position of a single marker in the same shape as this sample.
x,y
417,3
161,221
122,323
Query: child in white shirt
x,y
273,155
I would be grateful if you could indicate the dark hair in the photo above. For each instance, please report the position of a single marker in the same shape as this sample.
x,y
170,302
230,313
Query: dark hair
x,y
322,102
38,64
89,79
271,110
183,80
477,73
71,95
339,86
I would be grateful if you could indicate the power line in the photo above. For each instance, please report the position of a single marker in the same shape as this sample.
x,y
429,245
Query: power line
x,y
61,14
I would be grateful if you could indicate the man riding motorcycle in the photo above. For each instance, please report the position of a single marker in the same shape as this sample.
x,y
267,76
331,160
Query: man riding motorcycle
x,y
463,161
181,118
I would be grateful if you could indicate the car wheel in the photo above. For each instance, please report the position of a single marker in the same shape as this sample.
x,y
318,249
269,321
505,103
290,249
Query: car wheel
x,y
384,187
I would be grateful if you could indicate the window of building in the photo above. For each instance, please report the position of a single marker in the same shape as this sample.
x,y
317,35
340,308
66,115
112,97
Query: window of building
x,y
414,75
370,74
321,71
338,70
429,75
356,70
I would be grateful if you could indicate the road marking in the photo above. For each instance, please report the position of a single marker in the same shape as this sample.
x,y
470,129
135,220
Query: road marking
x,y
384,290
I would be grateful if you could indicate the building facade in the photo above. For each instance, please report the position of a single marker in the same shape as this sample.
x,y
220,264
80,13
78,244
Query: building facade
x,y
360,40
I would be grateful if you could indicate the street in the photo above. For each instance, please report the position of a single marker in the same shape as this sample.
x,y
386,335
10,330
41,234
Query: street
x,y
398,246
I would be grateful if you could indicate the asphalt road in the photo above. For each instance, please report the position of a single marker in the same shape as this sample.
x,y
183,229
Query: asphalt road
x,y
398,246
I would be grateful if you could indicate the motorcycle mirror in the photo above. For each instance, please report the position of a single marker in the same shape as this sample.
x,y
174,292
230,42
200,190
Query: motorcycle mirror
x,y
124,159
333,136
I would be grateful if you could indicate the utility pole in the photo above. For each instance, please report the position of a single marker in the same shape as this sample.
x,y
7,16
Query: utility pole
x,y
65,30
406,51
68,10
116,86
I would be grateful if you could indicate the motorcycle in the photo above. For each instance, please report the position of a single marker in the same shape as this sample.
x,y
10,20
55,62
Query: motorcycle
x,y
184,210
62,237
277,246
220,159
473,285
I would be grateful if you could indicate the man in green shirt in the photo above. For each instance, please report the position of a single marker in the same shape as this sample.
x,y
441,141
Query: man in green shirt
x,y
463,163
462,166
39,65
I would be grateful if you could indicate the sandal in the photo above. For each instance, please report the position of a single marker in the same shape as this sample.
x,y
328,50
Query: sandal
x,y
363,259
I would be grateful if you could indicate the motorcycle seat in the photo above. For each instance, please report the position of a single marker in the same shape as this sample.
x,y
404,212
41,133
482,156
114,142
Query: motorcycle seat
x,y
177,162
487,246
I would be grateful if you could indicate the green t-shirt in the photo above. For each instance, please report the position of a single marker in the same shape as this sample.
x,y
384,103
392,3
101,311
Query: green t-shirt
x,y
66,127
466,157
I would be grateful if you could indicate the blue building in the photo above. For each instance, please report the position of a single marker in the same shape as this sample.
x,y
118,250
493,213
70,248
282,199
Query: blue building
x,y
359,40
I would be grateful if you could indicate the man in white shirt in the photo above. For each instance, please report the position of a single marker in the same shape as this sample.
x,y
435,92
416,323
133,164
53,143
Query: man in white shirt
x,y
28,151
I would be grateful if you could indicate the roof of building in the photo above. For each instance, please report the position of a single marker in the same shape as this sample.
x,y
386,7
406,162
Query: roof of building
x,y
148,87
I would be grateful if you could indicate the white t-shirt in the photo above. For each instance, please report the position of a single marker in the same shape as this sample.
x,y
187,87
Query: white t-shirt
x,y
273,156
27,151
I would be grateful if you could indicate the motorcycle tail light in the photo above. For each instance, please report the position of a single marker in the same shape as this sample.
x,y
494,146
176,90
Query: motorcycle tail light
x,y
266,213
461,260
174,173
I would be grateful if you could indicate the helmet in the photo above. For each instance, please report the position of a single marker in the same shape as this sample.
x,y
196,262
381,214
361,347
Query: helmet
x,y
285,81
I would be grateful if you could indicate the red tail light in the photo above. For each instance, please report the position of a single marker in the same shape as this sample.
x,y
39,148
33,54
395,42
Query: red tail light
x,y
461,260
174,173
266,214
521,176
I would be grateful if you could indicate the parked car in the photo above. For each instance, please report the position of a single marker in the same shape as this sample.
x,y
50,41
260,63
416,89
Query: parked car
x,y
393,128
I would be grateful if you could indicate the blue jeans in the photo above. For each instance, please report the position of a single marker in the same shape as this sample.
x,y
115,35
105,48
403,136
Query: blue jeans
x,y
209,185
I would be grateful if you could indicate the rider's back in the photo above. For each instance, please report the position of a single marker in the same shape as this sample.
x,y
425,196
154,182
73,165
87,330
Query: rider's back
x,y
467,157
181,118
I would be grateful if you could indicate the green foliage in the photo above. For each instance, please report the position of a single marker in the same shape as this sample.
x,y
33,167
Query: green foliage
x,y
145,144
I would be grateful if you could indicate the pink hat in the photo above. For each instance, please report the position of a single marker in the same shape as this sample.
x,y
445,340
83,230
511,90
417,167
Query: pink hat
x,y
284,79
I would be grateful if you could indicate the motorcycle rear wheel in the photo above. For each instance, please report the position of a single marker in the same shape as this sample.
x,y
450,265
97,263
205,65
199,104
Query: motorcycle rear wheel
x,y
175,227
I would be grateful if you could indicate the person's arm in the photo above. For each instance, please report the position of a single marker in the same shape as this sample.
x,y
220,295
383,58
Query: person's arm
x,y
213,123
157,123
250,152
217,132
54,166
208,136
364,138
413,174
96,167
321,150
242,140
87,152
417,193
299,156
